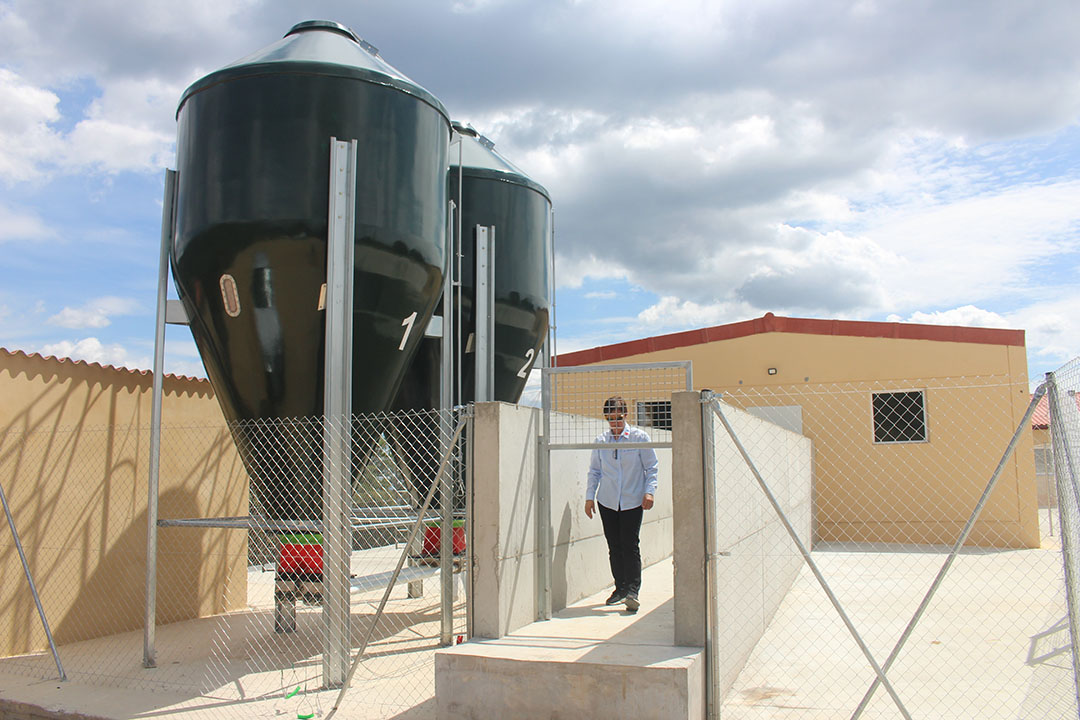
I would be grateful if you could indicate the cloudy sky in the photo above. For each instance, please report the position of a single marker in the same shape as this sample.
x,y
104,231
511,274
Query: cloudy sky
x,y
709,161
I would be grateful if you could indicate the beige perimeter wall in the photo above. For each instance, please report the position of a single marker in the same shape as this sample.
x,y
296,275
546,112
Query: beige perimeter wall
x,y
74,448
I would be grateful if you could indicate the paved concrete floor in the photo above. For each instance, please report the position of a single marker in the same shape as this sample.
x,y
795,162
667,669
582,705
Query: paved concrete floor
x,y
236,665
989,647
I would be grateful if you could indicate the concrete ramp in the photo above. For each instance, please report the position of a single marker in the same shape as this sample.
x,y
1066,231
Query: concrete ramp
x,y
590,660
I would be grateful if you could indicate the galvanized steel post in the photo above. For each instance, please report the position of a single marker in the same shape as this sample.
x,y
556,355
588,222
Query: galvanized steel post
x,y
168,223
337,409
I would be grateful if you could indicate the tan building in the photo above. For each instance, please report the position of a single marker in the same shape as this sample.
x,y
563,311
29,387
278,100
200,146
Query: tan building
x,y
908,421
74,448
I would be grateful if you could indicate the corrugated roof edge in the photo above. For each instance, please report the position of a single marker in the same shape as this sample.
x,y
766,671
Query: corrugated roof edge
x,y
1040,419
61,360
805,326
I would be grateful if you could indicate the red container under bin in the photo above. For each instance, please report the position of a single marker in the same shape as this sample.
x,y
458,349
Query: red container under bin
x,y
432,536
300,558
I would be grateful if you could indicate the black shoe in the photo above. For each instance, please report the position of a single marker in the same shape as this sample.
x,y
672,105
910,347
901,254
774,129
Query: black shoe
x,y
632,603
616,597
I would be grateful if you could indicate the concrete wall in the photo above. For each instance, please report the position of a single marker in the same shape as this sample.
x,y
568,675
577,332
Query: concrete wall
x,y
760,560
503,549
757,561
74,446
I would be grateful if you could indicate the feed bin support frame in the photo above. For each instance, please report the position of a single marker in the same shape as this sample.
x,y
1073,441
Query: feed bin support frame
x,y
337,450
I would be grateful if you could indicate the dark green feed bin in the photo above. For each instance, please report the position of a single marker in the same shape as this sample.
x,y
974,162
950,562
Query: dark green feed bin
x,y
494,193
249,256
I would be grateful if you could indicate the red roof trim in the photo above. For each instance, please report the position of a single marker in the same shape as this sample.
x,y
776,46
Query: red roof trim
x,y
61,360
804,326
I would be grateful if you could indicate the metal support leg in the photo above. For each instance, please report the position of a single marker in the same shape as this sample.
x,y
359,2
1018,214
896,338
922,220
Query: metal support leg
x,y
168,220
337,406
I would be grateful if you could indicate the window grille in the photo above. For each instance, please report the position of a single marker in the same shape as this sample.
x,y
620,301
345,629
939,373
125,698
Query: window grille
x,y
654,414
899,417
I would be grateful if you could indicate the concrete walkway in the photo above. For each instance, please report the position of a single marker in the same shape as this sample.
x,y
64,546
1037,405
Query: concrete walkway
x,y
590,660
992,646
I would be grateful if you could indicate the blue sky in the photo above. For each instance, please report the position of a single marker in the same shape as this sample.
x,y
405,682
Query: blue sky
x,y
708,162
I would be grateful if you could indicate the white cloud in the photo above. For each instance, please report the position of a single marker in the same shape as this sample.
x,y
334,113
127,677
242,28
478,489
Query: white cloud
x,y
129,127
96,313
673,313
978,247
91,349
21,224
572,273
607,295
966,316
26,138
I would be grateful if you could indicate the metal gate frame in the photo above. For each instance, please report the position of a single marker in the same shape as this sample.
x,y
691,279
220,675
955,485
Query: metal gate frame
x,y
545,541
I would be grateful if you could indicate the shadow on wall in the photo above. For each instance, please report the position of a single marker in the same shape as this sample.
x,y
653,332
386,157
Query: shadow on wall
x,y
74,447
110,599
560,557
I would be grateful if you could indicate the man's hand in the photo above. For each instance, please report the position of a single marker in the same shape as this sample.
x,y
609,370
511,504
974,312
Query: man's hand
x,y
647,501
590,507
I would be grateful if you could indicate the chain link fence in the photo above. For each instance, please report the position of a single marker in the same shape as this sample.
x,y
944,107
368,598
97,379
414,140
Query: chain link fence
x,y
893,565
242,589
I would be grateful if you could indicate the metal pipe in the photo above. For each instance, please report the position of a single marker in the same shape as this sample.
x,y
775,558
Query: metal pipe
x,y
1020,429
33,587
712,620
622,445
446,403
810,561
554,330
459,346
446,544
168,220
470,536
544,471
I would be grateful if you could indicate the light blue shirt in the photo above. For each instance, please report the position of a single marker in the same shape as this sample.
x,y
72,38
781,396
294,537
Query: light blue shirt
x,y
620,479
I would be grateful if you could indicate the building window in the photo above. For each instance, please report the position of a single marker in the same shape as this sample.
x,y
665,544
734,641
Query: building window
x,y
654,414
1044,460
899,417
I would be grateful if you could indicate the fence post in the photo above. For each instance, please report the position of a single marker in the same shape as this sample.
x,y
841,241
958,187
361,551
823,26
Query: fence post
x,y
688,480
1069,512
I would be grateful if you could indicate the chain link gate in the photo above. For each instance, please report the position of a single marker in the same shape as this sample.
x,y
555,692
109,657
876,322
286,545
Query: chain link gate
x,y
909,579
240,623
572,399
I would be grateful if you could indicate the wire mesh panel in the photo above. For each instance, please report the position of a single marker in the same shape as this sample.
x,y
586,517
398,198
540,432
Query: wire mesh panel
x,y
574,399
241,621
876,482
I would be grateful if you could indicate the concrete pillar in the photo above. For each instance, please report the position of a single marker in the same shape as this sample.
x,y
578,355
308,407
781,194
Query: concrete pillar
x,y
483,551
688,511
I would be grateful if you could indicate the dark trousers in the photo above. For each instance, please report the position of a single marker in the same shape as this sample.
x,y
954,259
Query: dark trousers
x,y
621,529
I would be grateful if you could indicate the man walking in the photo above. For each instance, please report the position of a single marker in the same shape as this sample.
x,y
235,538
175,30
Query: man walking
x,y
623,482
